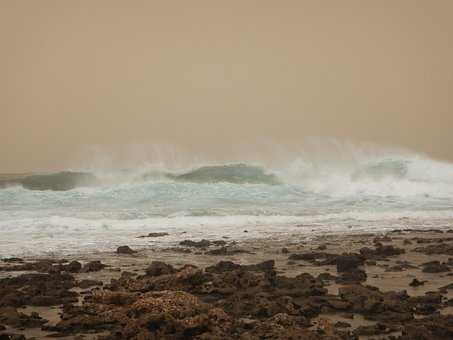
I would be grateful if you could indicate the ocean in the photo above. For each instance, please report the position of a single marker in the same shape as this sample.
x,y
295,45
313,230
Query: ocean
x,y
76,212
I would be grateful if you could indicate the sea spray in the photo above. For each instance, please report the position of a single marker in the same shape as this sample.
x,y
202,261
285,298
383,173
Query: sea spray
x,y
352,190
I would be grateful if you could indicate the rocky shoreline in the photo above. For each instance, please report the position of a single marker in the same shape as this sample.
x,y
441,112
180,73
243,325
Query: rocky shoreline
x,y
396,285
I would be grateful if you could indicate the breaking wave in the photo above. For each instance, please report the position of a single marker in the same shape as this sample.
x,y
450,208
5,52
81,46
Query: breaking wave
x,y
308,193
414,173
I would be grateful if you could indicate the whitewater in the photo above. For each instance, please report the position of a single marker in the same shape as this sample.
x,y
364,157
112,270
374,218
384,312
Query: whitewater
x,y
301,198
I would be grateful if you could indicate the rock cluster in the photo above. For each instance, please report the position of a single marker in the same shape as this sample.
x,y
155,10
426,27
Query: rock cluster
x,y
228,300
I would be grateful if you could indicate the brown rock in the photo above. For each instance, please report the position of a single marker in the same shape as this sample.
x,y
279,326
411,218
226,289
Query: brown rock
x,y
157,268
349,262
435,267
73,267
93,266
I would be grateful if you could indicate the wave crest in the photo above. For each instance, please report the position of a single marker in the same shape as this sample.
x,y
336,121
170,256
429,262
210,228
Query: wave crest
x,y
230,173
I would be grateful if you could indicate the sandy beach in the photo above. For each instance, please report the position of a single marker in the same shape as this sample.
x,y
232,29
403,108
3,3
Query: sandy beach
x,y
367,286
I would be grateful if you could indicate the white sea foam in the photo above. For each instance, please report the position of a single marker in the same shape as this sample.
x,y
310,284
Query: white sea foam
x,y
343,189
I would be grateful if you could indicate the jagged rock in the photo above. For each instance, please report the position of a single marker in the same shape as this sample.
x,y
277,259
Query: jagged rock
x,y
375,304
37,290
177,304
283,327
114,298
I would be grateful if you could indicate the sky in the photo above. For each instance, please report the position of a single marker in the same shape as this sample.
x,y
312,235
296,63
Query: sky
x,y
215,77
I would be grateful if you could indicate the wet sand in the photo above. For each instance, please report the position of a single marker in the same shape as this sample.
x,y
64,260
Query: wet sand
x,y
385,268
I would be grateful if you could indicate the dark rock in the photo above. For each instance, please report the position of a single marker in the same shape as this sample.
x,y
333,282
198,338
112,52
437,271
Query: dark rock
x,y
42,266
13,260
349,262
93,266
225,251
326,277
73,267
342,324
371,302
37,289
380,239
416,283
316,258
381,251
225,266
179,250
435,267
401,266
196,244
11,336
436,249
285,251
446,288
376,329
428,298
84,284
436,327
125,250
11,317
159,234
357,275
219,243
157,268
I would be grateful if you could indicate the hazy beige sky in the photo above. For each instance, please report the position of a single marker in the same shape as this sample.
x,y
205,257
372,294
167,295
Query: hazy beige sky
x,y
210,76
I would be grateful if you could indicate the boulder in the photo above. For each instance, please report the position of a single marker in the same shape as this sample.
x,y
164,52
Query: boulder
x,y
125,250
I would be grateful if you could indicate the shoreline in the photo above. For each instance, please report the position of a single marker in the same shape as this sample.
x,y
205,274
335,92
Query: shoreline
x,y
137,238
317,307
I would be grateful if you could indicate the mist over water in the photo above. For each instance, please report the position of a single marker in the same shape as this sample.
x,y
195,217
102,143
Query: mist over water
x,y
324,187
